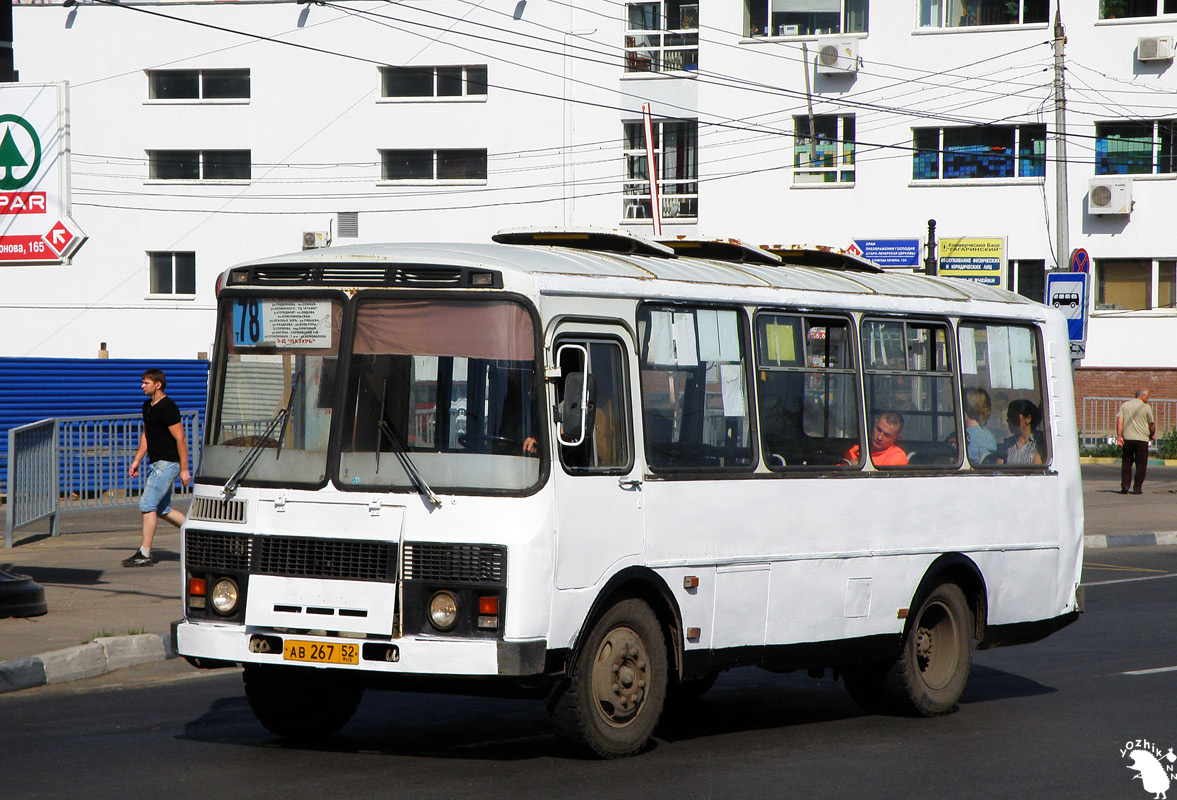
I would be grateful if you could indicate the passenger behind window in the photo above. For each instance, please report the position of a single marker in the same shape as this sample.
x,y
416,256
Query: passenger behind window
x,y
884,452
980,442
1026,445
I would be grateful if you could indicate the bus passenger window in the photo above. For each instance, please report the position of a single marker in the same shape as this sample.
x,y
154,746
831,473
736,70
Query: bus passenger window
x,y
808,395
910,399
1001,379
606,441
694,399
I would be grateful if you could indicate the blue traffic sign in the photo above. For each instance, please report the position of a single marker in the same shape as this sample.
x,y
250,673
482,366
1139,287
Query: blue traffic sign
x,y
1067,291
1080,261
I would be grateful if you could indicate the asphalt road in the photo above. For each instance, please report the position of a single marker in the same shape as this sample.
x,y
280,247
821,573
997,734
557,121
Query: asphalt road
x,y
1039,721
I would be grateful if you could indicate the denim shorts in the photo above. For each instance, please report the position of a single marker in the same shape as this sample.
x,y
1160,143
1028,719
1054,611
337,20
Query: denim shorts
x,y
157,491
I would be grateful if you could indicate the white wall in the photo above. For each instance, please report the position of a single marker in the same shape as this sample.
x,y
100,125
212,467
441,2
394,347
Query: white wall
x,y
314,126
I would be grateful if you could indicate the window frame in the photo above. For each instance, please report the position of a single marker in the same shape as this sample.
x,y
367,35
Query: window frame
x,y
841,156
668,50
1017,155
771,30
435,166
1122,10
1156,282
951,372
635,190
152,293
944,10
753,435
200,97
624,415
201,160
1158,155
467,80
854,371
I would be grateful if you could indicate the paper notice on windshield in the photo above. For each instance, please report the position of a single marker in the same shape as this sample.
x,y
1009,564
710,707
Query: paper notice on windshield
x,y
282,323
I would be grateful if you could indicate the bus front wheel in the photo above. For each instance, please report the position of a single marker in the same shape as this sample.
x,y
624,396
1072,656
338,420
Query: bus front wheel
x,y
301,702
616,688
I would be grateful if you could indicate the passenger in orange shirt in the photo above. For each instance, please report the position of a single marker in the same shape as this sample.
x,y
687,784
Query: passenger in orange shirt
x,y
883,450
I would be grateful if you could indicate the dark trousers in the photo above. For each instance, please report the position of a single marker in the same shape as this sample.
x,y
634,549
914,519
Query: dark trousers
x,y
1135,452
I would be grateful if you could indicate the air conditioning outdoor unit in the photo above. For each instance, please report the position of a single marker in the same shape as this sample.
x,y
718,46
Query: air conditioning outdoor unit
x,y
313,239
1109,195
837,56
1155,48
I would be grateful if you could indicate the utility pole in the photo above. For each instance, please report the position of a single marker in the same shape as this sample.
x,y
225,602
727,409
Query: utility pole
x,y
809,107
1062,213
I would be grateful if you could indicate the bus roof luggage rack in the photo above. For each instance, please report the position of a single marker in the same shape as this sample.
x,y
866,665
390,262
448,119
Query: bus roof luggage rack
x,y
821,258
585,239
722,250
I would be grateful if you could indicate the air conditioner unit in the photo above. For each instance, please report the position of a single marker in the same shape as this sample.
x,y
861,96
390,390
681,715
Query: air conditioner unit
x,y
313,239
1109,195
1155,48
837,56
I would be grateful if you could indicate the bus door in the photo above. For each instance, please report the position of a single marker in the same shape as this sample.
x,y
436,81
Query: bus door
x,y
598,485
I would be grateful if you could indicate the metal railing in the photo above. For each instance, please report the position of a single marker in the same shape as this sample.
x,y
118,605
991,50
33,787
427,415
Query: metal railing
x,y
1098,425
68,464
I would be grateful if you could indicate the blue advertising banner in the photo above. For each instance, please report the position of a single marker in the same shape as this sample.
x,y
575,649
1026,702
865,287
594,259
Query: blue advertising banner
x,y
888,252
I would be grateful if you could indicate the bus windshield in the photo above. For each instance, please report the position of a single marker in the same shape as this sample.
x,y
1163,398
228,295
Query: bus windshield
x,y
451,384
273,390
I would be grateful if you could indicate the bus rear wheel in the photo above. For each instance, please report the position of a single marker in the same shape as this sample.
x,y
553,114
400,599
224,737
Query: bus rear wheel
x,y
616,688
301,702
929,676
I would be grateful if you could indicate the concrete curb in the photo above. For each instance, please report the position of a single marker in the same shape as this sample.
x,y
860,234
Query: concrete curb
x,y
84,661
1156,539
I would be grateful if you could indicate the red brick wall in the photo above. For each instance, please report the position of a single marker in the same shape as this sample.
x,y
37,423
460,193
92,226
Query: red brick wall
x,y
1123,383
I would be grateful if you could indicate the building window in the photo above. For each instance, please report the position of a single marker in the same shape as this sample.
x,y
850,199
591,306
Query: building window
x,y
199,165
828,155
433,165
969,13
1135,284
173,273
1113,9
804,17
1028,278
1136,147
429,82
982,151
676,154
198,84
662,36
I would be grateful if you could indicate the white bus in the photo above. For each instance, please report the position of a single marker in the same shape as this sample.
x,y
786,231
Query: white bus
x,y
602,470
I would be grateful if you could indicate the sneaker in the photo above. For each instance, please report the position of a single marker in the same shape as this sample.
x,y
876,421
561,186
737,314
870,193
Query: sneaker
x,y
138,560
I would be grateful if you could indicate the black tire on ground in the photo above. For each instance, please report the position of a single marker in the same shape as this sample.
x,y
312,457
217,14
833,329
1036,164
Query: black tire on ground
x,y
301,702
616,689
930,673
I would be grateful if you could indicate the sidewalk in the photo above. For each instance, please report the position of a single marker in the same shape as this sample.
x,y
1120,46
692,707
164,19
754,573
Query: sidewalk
x,y
103,616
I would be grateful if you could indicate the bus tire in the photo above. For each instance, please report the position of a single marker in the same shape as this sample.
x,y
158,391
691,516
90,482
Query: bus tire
x,y
616,689
933,666
300,702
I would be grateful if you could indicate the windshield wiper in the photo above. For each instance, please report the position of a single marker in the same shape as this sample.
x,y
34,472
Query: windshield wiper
x,y
402,455
281,418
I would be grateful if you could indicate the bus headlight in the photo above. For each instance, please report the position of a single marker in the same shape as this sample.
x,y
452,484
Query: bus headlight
x,y
224,596
443,610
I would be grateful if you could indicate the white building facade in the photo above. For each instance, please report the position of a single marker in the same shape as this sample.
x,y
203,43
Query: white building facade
x,y
204,134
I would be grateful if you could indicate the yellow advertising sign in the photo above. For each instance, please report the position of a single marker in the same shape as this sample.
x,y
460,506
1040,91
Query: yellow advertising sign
x,y
974,259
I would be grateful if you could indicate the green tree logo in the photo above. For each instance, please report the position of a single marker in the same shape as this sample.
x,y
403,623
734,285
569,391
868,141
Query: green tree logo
x,y
11,157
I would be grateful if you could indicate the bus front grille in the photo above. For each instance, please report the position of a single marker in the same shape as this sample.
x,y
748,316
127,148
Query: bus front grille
x,y
291,556
455,563
216,509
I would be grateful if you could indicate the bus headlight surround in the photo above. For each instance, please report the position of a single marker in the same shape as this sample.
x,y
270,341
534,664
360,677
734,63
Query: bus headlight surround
x,y
224,596
443,610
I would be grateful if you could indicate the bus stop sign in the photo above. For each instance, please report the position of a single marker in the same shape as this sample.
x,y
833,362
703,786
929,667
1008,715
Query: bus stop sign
x,y
1067,291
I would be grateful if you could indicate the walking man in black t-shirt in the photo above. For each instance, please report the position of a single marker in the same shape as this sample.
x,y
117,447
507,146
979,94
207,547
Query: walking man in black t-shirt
x,y
166,448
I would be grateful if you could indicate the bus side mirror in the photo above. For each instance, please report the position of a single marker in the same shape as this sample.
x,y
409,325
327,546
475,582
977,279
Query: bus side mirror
x,y
576,403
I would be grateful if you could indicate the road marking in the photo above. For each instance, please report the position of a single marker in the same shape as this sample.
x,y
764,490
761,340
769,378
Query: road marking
x,y
1150,671
1120,568
1131,580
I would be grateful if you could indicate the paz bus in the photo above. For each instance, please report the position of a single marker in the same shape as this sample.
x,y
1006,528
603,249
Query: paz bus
x,y
600,469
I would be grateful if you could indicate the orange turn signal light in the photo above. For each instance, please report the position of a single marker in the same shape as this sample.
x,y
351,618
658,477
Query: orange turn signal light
x,y
488,606
196,586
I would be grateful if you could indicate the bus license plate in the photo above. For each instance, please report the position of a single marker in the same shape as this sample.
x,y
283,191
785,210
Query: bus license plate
x,y
320,652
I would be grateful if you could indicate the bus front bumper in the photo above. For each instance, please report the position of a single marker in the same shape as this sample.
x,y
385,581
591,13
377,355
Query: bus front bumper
x,y
206,644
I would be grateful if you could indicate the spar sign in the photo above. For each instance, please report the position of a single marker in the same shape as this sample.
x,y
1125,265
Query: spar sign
x,y
35,226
